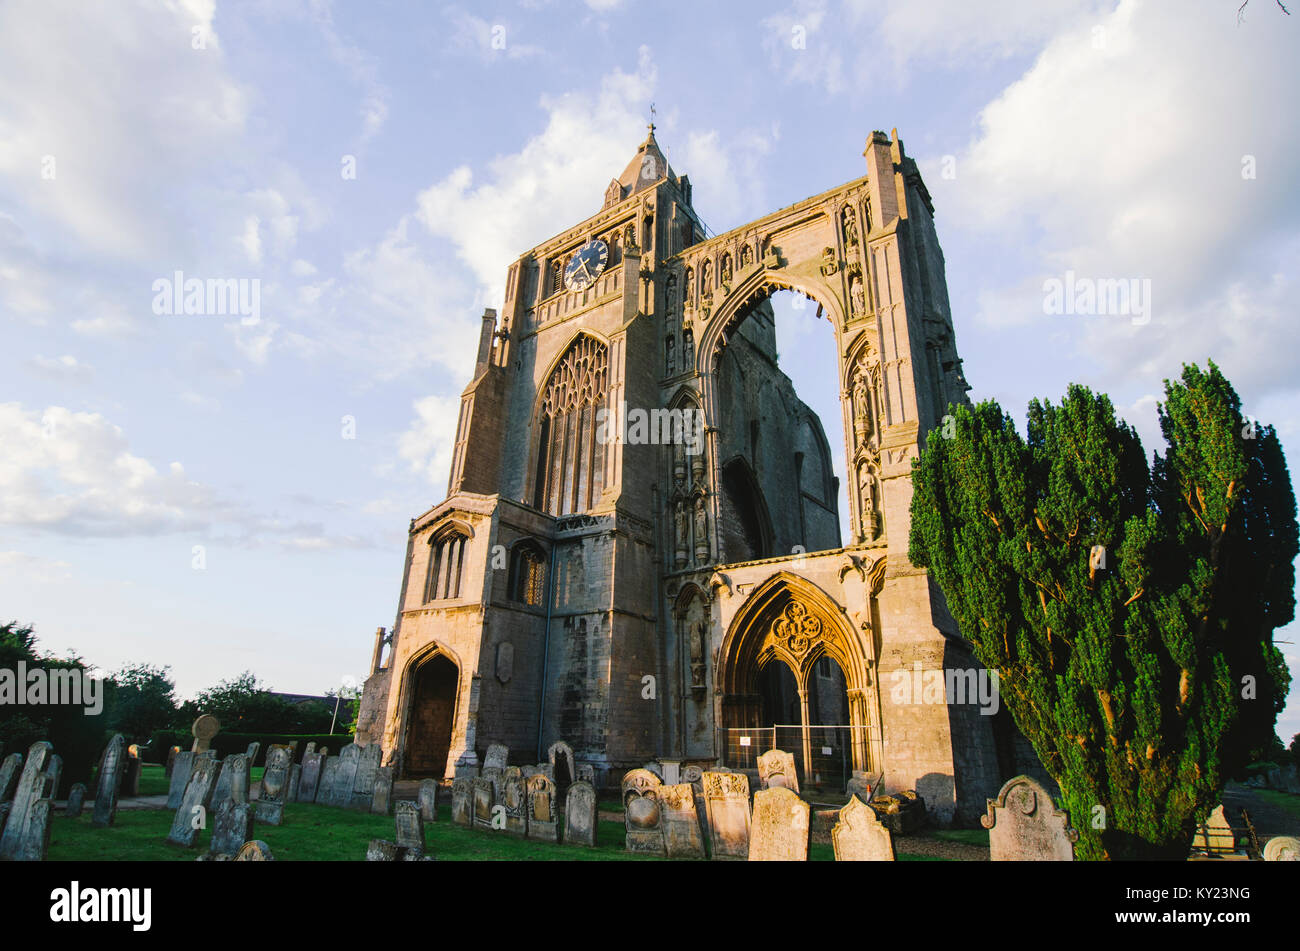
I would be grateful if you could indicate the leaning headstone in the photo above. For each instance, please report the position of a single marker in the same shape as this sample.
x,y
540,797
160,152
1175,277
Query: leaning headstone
x,y
233,780
580,814
110,783
198,793
1282,848
1026,826
76,800
682,839
346,777
776,768
313,764
363,787
779,830
203,730
642,812
171,760
182,766
859,836
231,827
253,749
26,830
295,777
694,776
382,794
514,799
9,771
428,800
410,825
275,786
543,823
53,776
484,798
255,851
497,756
726,802
1215,834
462,805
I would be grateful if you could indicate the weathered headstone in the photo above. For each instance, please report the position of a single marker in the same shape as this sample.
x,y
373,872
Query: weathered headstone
x,y
726,802
313,764
255,851
204,729
109,785
580,814
311,748
324,751
497,756
410,825
346,777
428,800
253,749
171,761
863,786
694,775
27,828
1215,834
233,780
682,839
382,794
76,800
902,813
587,773
564,769
9,772
496,775
776,768
194,802
328,779
462,805
543,822
53,776
381,850
295,777
484,798
642,812
130,777
1026,826
232,826
655,768
779,830
1282,848
182,766
514,799
859,836
363,787
275,785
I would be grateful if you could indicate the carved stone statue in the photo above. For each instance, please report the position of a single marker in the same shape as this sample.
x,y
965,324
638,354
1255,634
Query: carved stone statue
x,y
726,268
861,407
850,226
681,522
688,350
701,530
699,636
670,358
857,298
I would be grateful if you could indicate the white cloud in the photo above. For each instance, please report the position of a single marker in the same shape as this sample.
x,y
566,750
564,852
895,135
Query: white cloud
x,y
66,367
427,443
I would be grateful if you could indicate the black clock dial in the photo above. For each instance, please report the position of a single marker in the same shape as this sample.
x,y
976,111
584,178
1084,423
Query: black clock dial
x,y
585,265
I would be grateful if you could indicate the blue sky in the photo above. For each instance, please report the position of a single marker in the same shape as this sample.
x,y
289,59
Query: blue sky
x,y
139,139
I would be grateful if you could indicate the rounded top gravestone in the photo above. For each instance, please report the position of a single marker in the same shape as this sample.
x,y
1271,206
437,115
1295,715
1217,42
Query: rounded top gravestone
x,y
204,729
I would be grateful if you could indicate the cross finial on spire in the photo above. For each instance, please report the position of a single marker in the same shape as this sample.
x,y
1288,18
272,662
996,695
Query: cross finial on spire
x,y
652,118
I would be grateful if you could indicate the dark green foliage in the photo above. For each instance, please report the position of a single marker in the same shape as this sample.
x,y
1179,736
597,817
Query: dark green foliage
x,y
243,705
1128,679
141,699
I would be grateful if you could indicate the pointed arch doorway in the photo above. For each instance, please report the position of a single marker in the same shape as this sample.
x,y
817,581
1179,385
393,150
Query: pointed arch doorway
x,y
434,681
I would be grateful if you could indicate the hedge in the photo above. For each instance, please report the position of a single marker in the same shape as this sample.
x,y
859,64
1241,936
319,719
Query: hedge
x,y
227,743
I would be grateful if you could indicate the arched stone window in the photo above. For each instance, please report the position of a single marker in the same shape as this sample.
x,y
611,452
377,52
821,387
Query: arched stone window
x,y
446,565
570,460
528,574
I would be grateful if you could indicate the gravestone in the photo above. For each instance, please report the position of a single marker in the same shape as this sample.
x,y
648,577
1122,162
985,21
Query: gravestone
x,y
587,773
1282,848
233,780
27,828
9,772
1215,834
382,794
681,825
295,777
313,764
642,813
363,787
232,826
484,798
776,768
255,851
656,769
253,749
863,786
726,802
496,775
53,775
498,756
171,761
564,768
671,771
311,748
110,782
514,797
203,730
1026,826
694,776
543,822
194,802
902,812
346,777
580,814
275,786
76,800
328,779
428,800
325,751
859,836
182,766
779,829
462,805
410,825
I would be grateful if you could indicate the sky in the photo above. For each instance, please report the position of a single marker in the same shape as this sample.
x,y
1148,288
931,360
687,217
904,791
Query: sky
x,y
219,492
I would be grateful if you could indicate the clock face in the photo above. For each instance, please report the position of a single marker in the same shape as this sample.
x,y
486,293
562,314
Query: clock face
x,y
585,265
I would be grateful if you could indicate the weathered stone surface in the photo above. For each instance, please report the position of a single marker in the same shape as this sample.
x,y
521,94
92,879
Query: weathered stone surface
x,y
171,760
182,766
514,798
253,749
643,812
275,785
462,801
587,773
232,826
381,795
410,825
863,786
194,803
130,787
25,832
580,814
328,779
427,797
108,785
255,851
564,768
1282,848
311,748
233,780
779,829
1215,834
681,824
309,782
902,813
496,776
1026,826
295,777
53,776
346,777
694,776
203,730
381,850
363,786
498,756
76,800
859,836
543,821
776,768
484,798
726,802
655,768
9,772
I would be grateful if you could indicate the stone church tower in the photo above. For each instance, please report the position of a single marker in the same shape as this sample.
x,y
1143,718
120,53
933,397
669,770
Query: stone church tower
x,y
679,590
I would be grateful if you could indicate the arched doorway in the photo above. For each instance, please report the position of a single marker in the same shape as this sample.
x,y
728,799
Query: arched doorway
x,y
434,682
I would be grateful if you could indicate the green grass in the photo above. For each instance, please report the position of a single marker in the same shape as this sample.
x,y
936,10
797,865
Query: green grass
x,y
978,837
1288,801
